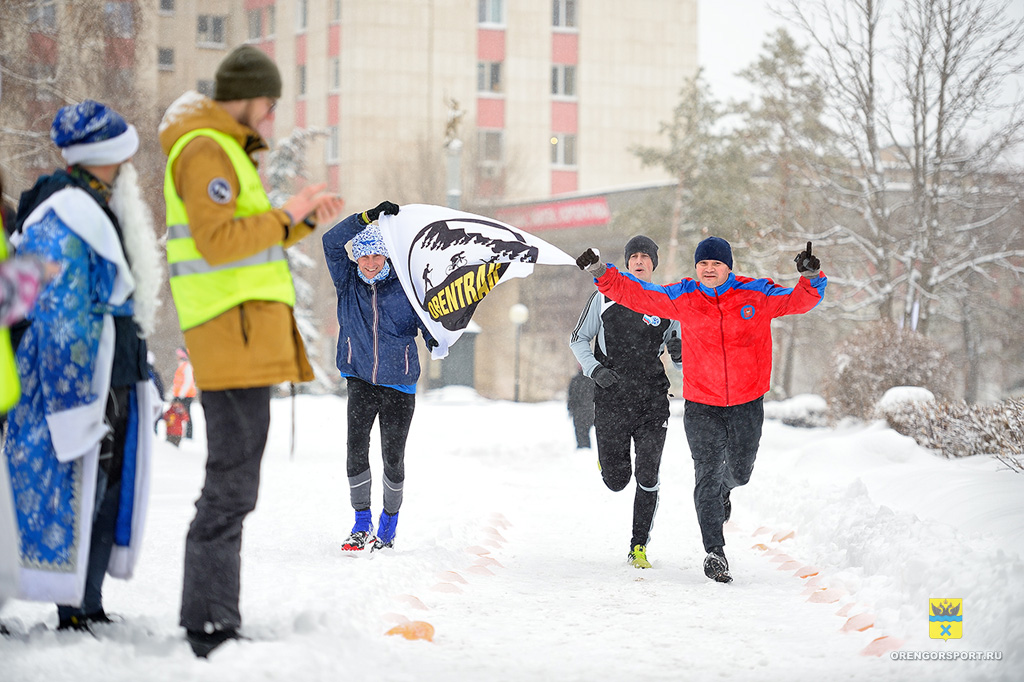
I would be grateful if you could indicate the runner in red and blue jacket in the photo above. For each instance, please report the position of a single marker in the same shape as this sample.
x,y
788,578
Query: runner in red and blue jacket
x,y
725,323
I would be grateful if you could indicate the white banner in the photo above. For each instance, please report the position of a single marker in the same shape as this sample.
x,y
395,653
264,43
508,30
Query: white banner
x,y
448,260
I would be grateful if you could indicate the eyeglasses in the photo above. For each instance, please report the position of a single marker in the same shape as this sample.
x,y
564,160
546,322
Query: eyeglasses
x,y
273,105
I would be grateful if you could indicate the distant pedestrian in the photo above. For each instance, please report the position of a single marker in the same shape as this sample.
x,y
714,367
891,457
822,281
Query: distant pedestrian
x,y
580,404
621,351
184,391
727,365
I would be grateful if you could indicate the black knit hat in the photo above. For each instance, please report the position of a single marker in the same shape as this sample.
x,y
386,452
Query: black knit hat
x,y
246,73
642,244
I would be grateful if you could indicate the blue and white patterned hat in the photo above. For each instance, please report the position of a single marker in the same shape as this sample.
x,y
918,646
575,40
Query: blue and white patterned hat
x,y
93,134
368,242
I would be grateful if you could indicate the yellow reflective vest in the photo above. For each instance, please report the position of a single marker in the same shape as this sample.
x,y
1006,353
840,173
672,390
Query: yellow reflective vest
x,y
10,386
202,291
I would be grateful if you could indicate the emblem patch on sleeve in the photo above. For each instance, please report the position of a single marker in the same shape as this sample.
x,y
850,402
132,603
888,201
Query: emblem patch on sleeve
x,y
219,190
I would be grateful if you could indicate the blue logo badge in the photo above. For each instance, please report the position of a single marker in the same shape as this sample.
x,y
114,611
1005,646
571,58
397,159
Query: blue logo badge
x,y
219,190
652,320
747,312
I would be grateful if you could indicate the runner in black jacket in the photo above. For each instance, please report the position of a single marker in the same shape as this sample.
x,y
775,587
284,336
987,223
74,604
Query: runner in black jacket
x,y
631,398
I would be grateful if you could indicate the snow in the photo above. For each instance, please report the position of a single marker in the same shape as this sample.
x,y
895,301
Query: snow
x,y
515,551
900,395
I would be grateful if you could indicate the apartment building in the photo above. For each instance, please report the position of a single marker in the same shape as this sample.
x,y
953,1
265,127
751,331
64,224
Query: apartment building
x,y
545,97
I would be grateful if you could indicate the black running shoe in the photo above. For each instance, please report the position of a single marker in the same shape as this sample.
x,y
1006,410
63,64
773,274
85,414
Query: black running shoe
x,y
716,566
203,643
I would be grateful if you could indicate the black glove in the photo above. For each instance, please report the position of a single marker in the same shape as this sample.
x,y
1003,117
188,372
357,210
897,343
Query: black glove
x,y
431,344
587,259
385,207
674,346
604,377
807,263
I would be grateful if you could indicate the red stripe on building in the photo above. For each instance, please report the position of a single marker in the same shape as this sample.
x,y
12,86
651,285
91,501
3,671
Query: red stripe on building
x,y
490,113
565,48
490,45
564,118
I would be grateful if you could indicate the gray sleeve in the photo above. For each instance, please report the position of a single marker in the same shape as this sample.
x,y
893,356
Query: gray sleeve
x,y
588,327
674,329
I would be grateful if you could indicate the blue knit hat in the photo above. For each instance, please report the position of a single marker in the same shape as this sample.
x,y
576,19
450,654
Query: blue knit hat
x,y
713,248
369,242
93,134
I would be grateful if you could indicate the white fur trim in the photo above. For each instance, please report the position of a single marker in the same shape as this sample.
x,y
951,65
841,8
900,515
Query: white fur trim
x,y
104,153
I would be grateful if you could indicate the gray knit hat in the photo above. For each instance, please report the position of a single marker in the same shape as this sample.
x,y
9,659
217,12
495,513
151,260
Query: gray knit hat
x,y
246,73
642,244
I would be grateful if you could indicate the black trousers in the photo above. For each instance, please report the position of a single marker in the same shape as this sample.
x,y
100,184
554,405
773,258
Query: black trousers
x,y
723,443
621,419
237,422
367,402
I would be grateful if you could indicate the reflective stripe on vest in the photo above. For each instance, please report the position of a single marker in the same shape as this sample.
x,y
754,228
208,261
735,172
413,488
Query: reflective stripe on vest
x,y
10,386
202,291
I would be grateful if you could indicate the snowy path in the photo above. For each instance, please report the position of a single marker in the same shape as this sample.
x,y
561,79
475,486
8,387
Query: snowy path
x,y
553,598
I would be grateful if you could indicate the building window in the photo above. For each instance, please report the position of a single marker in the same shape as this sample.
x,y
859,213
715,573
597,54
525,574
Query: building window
x,y
42,16
300,80
336,11
165,59
491,11
301,15
563,150
205,88
255,17
210,29
335,73
564,13
271,21
488,77
167,6
563,80
119,19
332,145
491,146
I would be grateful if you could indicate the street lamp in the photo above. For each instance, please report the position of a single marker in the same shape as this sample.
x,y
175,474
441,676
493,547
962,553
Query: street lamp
x,y
518,314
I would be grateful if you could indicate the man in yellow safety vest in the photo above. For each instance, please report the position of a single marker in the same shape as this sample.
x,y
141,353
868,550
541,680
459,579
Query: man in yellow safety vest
x,y
234,295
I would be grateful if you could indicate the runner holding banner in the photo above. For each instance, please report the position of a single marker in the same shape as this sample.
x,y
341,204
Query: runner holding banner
x,y
449,260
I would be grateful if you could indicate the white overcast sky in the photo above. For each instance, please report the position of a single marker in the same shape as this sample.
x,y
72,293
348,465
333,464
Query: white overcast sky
x,y
729,38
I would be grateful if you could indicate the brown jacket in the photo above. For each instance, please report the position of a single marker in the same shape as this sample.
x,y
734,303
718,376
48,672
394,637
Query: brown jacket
x,y
256,343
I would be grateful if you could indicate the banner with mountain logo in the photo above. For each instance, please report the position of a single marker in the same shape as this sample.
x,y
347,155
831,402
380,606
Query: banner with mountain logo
x,y
449,260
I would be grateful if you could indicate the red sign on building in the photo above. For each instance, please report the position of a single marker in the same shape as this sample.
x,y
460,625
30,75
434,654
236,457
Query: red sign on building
x,y
557,215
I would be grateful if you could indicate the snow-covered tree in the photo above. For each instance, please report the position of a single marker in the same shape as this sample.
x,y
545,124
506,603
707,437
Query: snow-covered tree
x,y
284,166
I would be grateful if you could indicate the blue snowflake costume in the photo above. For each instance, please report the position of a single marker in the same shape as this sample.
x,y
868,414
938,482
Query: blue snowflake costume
x,y
65,362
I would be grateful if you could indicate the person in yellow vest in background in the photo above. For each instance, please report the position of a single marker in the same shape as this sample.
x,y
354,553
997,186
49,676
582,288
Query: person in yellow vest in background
x,y
184,388
234,295
21,280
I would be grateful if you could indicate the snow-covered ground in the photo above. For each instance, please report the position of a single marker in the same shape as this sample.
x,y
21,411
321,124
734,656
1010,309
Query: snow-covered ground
x,y
511,547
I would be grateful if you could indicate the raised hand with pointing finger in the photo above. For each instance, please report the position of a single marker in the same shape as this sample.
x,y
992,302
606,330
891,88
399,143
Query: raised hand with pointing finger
x,y
807,264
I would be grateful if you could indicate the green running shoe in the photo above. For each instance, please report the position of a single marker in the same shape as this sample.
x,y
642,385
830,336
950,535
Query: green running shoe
x,y
638,557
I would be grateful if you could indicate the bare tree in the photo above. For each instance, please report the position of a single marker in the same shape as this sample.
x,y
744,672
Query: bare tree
x,y
923,199
709,165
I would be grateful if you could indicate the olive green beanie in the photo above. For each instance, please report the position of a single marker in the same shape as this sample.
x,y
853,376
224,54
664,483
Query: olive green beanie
x,y
246,73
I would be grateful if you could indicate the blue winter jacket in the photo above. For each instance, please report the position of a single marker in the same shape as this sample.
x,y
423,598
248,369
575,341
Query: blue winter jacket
x,y
377,334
